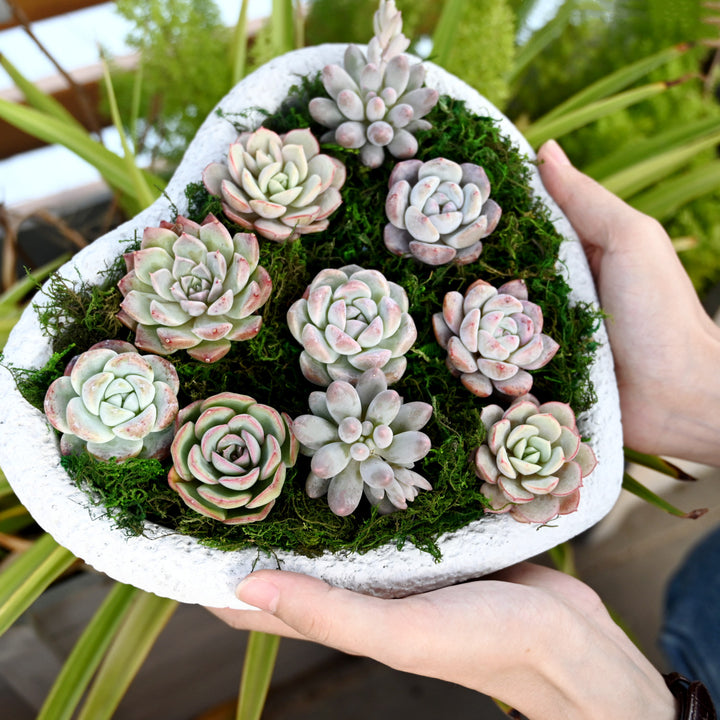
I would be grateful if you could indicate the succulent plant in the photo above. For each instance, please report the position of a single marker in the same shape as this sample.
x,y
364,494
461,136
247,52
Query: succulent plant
x,y
533,462
363,439
351,320
439,211
493,337
377,101
230,457
114,403
193,287
279,186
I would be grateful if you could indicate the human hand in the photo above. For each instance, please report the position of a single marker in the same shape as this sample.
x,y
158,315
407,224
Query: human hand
x,y
666,348
535,638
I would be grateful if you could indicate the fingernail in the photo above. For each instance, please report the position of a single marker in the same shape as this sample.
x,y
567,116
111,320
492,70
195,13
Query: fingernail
x,y
259,593
554,153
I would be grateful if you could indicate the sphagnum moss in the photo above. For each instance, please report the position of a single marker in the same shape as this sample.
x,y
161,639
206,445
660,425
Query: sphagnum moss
x,y
524,245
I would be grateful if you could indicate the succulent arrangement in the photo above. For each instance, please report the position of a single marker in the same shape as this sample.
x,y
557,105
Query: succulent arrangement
x,y
232,454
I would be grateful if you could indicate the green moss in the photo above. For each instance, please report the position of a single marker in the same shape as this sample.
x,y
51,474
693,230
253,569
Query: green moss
x,y
524,245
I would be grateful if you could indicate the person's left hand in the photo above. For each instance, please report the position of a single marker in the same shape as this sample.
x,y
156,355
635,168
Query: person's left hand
x,y
532,637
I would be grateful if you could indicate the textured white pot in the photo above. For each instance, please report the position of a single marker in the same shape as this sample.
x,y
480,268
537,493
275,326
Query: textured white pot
x,y
178,567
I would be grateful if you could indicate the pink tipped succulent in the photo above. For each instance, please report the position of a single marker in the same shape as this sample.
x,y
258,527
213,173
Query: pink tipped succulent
x,y
279,186
534,461
363,439
230,456
439,211
114,403
351,320
193,287
493,337
377,101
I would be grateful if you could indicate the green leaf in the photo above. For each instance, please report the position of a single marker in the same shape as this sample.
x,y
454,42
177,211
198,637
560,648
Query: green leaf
x,y
27,576
541,38
636,488
14,294
259,664
643,174
238,48
36,97
444,36
83,661
52,130
544,129
14,519
563,557
644,148
653,462
283,27
668,197
616,81
5,487
142,624
142,193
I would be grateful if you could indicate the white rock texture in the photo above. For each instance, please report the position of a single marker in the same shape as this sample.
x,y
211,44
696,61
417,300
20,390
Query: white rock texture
x,y
178,567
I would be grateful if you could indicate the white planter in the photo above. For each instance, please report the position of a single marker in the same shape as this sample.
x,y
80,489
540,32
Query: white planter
x,y
178,567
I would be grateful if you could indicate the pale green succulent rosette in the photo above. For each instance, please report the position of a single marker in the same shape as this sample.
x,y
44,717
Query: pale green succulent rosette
x,y
439,211
230,457
114,403
193,287
279,186
377,100
364,439
351,320
534,461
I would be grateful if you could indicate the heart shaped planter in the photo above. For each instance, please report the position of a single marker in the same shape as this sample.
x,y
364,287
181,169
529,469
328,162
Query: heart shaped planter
x,y
177,566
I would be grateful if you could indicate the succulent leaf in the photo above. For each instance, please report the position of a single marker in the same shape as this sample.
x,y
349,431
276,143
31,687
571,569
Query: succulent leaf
x,y
524,462
363,439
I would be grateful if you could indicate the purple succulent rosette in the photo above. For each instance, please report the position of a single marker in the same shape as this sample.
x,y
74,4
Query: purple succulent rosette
x,y
439,211
351,320
278,186
364,439
377,101
230,457
534,460
114,403
493,337
193,287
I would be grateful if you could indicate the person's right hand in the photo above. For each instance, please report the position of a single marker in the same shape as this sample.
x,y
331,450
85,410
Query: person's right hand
x,y
666,348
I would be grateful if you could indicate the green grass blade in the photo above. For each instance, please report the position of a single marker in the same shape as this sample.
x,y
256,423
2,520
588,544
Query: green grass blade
x,y
259,664
543,129
283,26
617,81
142,624
541,38
15,294
563,558
26,578
522,11
51,130
444,36
86,656
5,487
36,97
643,149
636,488
14,519
299,25
653,462
239,46
668,197
644,174
142,193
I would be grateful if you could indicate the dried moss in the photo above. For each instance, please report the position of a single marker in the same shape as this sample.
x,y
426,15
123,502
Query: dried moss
x,y
524,245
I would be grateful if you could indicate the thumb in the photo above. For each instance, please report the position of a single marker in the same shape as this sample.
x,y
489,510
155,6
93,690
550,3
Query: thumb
x,y
344,620
599,217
